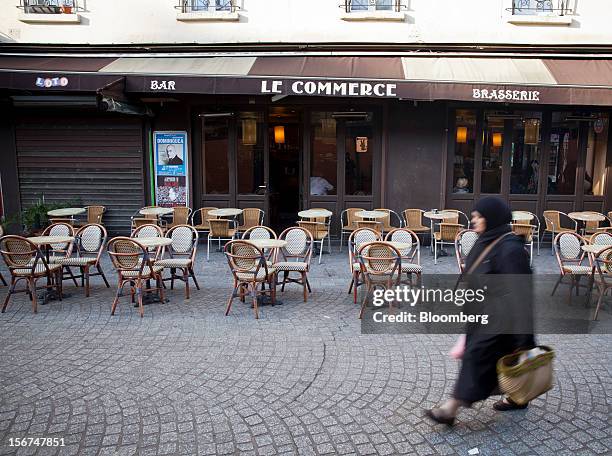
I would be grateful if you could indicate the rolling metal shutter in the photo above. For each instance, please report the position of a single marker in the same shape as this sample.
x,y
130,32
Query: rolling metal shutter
x,y
84,161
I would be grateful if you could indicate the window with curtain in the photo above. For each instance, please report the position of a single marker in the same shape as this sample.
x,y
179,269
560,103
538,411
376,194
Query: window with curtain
x,y
492,152
597,146
216,148
525,153
250,153
365,5
324,154
465,148
358,157
563,158
205,5
532,7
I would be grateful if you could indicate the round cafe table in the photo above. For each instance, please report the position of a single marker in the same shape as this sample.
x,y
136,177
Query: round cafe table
x,y
268,243
594,249
66,212
47,242
586,217
519,216
157,211
371,215
399,245
151,242
314,213
225,212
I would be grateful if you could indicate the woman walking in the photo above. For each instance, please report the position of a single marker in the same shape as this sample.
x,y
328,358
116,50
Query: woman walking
x,y
478,375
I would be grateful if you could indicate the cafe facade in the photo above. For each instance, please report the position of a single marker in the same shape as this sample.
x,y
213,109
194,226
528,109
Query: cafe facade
x,y
287,131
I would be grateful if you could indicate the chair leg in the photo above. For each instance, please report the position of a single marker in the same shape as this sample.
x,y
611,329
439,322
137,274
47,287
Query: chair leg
x,y
285,275
351,287
139,295
435,252
304,286
556,285
364,302
10,292
160,288
2,279
207,248
254,294
186,279
32,286
117,294
320,250
307,282
231,298
341,235
86,276
194,278
72,276
355,284
101,272
601,295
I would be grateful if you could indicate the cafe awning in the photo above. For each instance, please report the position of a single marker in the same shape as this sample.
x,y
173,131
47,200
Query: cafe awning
x,y
516,79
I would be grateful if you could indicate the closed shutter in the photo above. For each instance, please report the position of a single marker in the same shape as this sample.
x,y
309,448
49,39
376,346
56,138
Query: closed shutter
x,y
85,161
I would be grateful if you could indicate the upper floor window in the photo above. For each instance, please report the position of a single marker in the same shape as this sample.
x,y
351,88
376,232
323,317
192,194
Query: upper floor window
x,y
207,5
372,5
541,7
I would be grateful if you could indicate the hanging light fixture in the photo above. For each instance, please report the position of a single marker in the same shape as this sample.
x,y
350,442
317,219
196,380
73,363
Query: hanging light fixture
x,y
497,139
461,135
279,134
249,131
532,131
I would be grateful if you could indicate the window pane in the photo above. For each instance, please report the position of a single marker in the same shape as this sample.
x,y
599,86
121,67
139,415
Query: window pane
x,y
384,4
525,153
465,145
359,5
595,169
563,158
223,5
250,153
215,155
199,5
532,6
358,157
323,159
493,144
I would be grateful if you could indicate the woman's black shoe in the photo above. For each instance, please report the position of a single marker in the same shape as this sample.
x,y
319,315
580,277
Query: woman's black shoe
x,y
505,405
448,420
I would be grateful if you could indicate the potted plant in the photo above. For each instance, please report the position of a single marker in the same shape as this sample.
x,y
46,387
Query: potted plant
x,y
67,7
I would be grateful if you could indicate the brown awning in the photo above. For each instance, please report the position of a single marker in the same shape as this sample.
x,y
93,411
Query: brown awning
x,y
491,79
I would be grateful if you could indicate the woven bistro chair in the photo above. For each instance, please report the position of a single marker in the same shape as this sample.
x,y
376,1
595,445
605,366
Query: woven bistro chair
x,y
261,232
94,215
251,216
413,220
26,262
180,255
348,218
535,221
89,242
323,230
569,254
180,216
527,232
135,267
149,230
200,218
411,256
381,266
63,220
552,219
445,236
139,219
603,275
391,221
356,239
370,224
319,232
250,270
2,279
220,230
459,217
464,242
601,238
295,257
60,250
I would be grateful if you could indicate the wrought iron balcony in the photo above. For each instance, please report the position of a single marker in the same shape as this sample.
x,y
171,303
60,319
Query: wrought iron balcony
x,y
536,7
202,6
372,5
49,6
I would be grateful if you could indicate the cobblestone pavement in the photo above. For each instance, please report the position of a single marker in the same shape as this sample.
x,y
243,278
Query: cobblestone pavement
x,y
301,380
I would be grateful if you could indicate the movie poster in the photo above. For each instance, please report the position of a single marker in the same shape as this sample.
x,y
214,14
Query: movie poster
x,y
171,178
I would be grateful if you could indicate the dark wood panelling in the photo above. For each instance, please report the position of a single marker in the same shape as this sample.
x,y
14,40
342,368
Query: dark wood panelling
x,y
524,204
415,156
8,165
86,160
593,204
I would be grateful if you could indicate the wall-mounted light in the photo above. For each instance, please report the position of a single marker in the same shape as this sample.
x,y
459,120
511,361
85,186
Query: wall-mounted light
x,y
461,135
532,131
249,131
497,139
279,134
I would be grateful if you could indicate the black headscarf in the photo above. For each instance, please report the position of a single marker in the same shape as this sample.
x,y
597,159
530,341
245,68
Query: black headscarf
x,y
498,216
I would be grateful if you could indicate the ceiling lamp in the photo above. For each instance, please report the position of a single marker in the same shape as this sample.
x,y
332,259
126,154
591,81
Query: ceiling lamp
x,y
497,139
279,134
532,131
249,131
461,135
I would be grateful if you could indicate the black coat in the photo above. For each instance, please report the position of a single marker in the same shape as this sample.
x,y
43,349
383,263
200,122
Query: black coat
x,y
478,375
